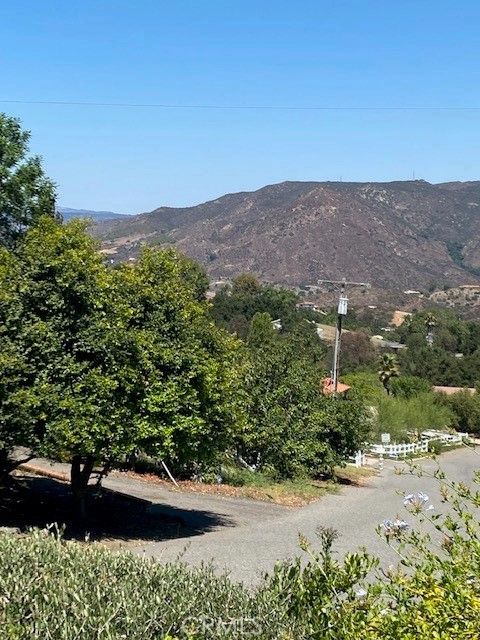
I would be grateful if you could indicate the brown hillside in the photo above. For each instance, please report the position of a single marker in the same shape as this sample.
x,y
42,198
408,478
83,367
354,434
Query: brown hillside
x,y
396,235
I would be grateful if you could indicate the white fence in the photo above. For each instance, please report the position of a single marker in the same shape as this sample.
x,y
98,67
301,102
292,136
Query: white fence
x,y
408,448
444,438
359,459
399,450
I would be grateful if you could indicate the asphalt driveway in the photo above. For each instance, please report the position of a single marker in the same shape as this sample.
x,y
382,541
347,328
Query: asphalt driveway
x,y
258,534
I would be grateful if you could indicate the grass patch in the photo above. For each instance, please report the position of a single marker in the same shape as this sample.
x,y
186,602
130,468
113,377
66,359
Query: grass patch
x,y
354,475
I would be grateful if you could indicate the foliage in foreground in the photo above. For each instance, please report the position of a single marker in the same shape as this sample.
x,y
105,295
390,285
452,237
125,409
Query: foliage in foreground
x,y
66,591
97,363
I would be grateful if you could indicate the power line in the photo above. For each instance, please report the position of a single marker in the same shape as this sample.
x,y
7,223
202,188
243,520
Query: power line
x,y
153,105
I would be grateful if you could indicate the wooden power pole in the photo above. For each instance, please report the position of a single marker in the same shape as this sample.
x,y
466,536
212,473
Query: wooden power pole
x,y
341,312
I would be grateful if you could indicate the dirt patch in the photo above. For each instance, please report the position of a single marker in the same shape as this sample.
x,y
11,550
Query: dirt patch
x,y
289,493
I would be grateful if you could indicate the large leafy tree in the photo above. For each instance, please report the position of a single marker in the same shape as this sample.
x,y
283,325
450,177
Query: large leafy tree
x,y
25,192
17,370
109,361
191,399
292,428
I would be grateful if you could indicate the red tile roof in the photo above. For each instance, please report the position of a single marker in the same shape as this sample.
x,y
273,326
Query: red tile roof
x,y
328,387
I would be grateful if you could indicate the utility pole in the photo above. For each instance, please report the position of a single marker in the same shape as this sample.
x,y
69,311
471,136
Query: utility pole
x,y
341,312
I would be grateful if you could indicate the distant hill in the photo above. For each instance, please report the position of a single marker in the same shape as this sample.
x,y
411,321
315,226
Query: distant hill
x,y
396,235
97,216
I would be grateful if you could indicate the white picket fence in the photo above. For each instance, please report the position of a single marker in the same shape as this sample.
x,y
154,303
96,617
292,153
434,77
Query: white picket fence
x,y
445,438
404,449
359,459
399,450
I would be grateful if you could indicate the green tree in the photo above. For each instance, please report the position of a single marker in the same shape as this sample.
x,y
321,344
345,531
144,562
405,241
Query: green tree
x,y
388,369
235,305
402,416
452,359
17,370
357,351
466,409
108,361
245,284
408,386
364,385
292,428
191,404
25,192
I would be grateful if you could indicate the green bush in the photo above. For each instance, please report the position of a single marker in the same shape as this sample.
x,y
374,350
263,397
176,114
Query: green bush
x,y
408,386
68,591
402,416
435,447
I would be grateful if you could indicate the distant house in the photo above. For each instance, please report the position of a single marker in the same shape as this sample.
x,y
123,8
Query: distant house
x,y
328,387
379,341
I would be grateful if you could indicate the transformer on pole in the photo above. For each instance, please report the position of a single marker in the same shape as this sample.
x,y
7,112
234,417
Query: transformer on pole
x,y
341,313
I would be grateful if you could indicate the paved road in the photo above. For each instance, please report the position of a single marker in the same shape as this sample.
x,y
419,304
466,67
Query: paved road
x,y
265,533
246,537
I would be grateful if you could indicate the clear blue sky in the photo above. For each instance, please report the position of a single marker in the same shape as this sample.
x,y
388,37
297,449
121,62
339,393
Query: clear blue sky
x,y
363,53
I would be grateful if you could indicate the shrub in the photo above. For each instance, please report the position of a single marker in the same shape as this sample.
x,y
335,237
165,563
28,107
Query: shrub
x,y
61,590
400,416
408,386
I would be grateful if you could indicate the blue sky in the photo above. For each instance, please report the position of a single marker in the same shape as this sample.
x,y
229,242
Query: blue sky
x,y
363,53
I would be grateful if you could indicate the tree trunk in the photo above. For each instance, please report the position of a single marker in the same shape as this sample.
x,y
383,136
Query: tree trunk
x,y
79,478
4,466
9,464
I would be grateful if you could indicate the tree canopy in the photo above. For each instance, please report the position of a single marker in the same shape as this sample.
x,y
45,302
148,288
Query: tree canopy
x,y
25,191
100,362
235,305
292,428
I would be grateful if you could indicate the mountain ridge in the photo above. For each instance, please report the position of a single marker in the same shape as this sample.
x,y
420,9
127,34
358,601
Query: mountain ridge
x,y
97,216
399,234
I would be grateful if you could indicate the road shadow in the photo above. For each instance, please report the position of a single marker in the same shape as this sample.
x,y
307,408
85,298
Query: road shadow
x,y
32,501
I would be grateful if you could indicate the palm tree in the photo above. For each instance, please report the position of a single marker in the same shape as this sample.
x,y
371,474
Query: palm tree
x,y
430,322
388,369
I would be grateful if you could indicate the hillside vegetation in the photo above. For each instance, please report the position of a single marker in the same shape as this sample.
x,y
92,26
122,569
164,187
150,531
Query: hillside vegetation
x,y
396,235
